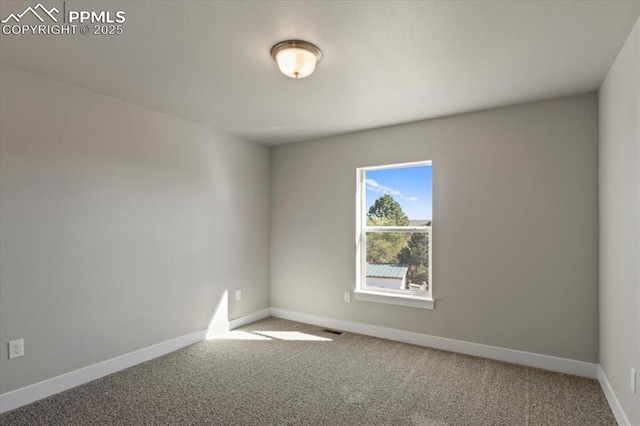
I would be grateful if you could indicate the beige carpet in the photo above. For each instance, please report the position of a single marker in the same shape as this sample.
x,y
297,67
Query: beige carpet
x,y
346,379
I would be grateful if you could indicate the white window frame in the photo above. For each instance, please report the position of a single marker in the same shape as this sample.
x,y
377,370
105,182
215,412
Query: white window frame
x,y
402,297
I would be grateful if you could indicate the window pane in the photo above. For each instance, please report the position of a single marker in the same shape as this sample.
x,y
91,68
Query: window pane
x,y
399,197
398,260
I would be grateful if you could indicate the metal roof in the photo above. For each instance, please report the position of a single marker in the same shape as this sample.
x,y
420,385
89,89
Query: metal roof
x,y
387,270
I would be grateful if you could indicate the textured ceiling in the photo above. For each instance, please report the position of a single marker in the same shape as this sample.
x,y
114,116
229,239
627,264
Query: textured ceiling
x,y
384,62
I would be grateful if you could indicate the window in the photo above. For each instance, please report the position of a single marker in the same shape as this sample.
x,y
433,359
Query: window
x,y
394,222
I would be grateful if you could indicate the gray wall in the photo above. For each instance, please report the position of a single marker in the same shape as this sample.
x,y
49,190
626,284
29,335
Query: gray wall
x,y
620,224
515,232
120,227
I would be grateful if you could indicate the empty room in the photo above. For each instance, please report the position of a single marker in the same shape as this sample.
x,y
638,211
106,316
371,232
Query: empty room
x,y
320,212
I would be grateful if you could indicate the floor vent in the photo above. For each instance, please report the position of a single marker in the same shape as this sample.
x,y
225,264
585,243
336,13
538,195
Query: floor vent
x,y
326,330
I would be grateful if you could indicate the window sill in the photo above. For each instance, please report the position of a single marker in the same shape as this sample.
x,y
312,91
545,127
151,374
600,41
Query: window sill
x,y
394,299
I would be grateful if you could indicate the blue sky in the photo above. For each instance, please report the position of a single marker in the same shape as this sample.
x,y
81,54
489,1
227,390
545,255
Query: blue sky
x,y
409,186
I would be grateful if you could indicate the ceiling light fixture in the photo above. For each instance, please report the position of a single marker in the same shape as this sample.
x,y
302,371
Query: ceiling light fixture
x,y
296,58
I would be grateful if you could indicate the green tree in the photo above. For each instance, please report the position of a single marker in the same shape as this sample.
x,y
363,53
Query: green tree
x,y
416,255
385,247
389,209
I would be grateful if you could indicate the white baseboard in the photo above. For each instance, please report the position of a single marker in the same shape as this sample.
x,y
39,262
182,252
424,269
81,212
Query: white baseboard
x,y
545,362
248,319
45,388
31,393
616,408
36,391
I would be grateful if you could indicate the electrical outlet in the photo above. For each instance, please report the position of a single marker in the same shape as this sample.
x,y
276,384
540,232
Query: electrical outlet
x,y
347,297
238,295
633,380
16,348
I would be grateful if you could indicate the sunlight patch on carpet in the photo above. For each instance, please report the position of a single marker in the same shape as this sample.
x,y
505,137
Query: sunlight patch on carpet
x,y
293,335
238,335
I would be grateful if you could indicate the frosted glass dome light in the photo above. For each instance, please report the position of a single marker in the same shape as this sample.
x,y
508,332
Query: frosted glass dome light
x,y
296,58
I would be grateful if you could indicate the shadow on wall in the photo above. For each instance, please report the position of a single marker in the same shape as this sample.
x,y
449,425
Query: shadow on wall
x,y
219,324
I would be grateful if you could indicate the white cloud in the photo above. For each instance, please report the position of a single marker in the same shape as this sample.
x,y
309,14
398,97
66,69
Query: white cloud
x,y
374,186
386,190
